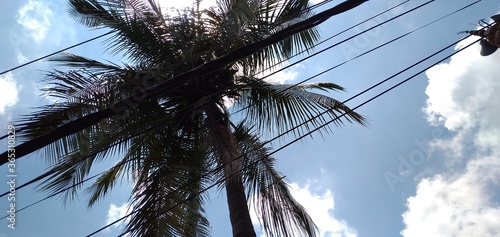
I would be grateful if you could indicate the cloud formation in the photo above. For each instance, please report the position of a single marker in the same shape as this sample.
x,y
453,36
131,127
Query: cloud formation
x,y
457,206
321,207
35,18
463,97
9,90
117,212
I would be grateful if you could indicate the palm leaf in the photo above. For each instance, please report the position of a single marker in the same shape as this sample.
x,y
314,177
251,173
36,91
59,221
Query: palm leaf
x,y
279,213
169,176
279,108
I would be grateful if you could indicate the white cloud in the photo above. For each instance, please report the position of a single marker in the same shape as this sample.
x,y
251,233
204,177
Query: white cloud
x,y
9,90
117,212
21,58
463,97
35,17
460,89
281,77
457,206
320,208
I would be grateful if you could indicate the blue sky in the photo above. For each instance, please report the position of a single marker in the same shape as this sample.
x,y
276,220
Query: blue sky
x,y
428,164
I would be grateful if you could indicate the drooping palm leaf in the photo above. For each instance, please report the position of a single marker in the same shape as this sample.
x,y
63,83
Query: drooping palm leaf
x,y
279,108
278,211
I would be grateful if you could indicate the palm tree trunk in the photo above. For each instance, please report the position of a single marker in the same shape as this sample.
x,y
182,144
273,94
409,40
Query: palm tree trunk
x,y
238,209
227,148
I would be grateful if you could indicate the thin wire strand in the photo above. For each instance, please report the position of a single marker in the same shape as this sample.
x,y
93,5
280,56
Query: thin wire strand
x,y
112,31
281,147
376,96
54,53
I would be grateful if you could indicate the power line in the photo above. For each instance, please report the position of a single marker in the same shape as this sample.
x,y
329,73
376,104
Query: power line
x,y
53,195
334,119
54,53
360,105
169,66
341,32
234,89
102,35
354,58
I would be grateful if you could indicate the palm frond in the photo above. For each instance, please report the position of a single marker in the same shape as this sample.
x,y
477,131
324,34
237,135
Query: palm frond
x,y
239,23
168,177
141,30
74,61
279,108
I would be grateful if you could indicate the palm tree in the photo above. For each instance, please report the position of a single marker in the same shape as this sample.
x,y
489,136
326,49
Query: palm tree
x,y
168,142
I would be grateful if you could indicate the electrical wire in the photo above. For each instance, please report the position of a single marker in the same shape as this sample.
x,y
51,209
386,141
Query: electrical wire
x,y
339,33
358,106
52,195
54,53
276,151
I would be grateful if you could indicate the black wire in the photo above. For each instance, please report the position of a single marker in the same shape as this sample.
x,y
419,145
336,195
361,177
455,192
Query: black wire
x,y
54,53
379,83
298,125
337,34
53,195
352,37
380,94
334,119
102,35
48,173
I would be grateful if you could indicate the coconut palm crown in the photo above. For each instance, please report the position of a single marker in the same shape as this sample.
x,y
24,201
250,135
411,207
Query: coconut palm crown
x,y
171,146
